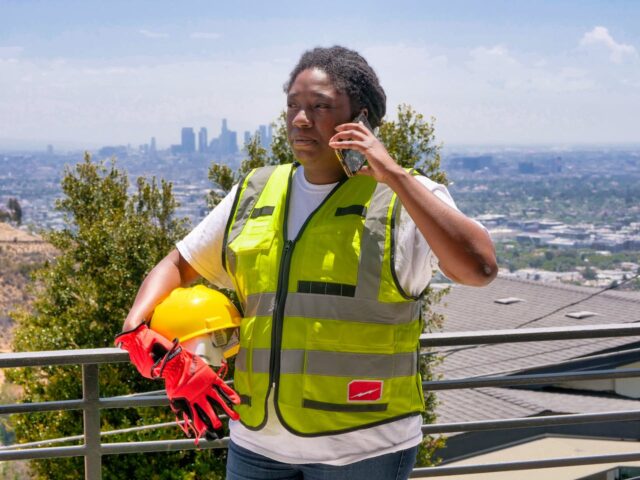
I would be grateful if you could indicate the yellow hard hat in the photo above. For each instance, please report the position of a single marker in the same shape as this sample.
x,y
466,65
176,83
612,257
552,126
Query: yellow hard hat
x,y
190,312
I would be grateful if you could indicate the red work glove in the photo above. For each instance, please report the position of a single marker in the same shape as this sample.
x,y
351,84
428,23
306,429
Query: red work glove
x,y
146,348
195,392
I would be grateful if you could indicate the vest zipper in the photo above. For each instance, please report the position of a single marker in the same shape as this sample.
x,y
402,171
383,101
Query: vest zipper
x,y
281,295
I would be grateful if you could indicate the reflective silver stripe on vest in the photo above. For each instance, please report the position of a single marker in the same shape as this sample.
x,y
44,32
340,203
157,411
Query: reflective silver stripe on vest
x,y
341,364
255,184
260,363
334,364
333,307
372,243
260,305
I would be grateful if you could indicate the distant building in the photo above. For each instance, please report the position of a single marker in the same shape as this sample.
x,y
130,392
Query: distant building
x,y
188,140
526,167
49,149
152,146
482,162
226,143
118,151
549,165
232,144
203,143
247,136
265,139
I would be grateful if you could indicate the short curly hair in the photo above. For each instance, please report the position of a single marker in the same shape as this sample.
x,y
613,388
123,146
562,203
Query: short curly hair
x,y
351,74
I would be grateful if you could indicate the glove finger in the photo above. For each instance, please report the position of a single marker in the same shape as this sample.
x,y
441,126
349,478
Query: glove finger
x,y
222,404
210,419
229,392
208,415
200,421
181,408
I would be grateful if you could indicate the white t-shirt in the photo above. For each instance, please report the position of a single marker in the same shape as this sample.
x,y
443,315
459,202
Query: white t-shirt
x,y
415,262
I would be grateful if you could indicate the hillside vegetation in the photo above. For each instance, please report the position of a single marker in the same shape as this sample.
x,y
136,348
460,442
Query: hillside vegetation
x,y
20,254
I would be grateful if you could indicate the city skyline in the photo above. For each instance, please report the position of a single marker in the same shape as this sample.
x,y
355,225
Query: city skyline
x,y
86,74
225,144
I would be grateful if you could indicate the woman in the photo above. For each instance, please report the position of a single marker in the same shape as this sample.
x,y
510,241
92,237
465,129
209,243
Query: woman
x,y
330,272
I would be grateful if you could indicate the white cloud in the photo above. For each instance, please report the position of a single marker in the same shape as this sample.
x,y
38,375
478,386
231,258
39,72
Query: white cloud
x,y
10,51
494,63
498,51
150,34
488,94
101,102
205,35
601,36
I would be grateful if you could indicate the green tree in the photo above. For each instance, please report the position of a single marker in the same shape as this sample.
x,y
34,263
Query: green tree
x,y
410,140
109,243
589,274
281,152
15,211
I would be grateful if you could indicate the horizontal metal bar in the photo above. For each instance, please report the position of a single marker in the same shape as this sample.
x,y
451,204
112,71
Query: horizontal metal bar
x,y
63,357
76,438
131,402
529,335
49,452
115,355
63,405
526,465
566,365
156,400
528,422
161,446
58,405
532,379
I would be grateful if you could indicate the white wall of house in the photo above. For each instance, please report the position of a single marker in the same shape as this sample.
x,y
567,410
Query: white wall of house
x,y
626,387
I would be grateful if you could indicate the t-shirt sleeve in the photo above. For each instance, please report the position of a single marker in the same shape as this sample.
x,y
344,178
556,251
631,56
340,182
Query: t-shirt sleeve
x,y
202,247
415,261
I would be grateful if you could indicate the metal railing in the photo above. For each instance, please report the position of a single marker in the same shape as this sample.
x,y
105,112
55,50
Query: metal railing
x,y
91,403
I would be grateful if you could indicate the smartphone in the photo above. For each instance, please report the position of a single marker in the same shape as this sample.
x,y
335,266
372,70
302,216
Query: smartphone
x,y
352,160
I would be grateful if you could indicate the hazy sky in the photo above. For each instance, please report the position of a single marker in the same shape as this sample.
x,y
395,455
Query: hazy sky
x,y
88,73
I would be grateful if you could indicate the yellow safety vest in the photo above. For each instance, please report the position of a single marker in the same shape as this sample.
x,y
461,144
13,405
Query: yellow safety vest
x,y
325,321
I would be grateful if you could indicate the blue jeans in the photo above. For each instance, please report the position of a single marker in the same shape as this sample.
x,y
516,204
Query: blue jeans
x,y
242,464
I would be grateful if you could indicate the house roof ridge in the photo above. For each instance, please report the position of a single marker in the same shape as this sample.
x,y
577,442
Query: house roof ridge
x,y
610,293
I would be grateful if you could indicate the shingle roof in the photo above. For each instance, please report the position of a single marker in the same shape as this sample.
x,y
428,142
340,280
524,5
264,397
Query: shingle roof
x,y
495,403
471,308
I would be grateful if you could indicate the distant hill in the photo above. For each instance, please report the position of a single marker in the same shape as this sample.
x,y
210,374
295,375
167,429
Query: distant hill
x,y
20,254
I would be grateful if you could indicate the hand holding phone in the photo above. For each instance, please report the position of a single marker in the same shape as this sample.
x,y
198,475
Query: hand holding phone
x,y
352,160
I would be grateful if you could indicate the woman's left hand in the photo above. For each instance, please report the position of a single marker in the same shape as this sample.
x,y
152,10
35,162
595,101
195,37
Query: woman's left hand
x,y
356,136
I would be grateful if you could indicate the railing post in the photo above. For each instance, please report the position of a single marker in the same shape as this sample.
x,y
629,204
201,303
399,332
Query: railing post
x,y
91,415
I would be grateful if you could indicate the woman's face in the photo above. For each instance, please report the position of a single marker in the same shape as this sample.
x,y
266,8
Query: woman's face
x,y
314,109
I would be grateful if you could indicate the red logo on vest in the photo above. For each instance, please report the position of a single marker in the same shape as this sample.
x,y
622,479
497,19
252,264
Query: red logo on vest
x,y
365,390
